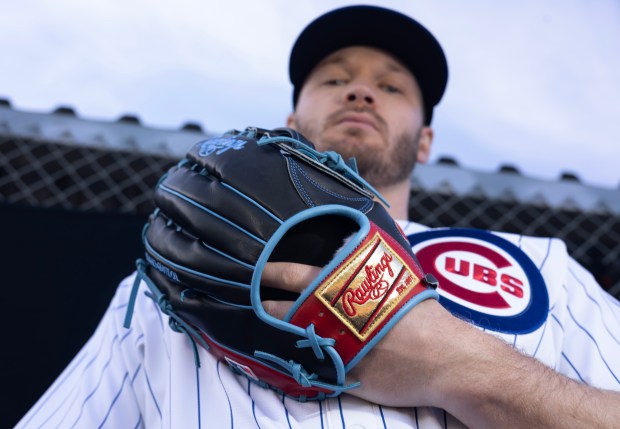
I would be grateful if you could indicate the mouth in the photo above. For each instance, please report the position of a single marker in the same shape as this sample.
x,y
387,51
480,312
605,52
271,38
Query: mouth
x,y
360,120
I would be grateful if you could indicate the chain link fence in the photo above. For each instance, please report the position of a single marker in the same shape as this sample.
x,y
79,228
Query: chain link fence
x,y
55,175
42,173
593,239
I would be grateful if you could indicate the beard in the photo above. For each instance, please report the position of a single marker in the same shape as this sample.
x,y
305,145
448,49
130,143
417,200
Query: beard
x,y
382,167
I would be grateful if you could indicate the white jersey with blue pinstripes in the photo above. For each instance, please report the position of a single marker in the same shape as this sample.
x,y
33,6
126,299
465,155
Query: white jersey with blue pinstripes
x,y
145,377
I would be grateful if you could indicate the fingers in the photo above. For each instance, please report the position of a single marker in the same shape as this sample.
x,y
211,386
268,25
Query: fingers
x,y
289,276
277,309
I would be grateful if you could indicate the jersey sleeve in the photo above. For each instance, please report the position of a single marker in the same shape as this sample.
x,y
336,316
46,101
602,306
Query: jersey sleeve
x,y
98,387
591,325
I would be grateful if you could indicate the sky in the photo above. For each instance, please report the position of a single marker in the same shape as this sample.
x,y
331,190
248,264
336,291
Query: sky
x,y
533,84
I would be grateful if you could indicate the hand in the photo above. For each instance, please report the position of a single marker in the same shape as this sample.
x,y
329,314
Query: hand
x,y
400,370
431,358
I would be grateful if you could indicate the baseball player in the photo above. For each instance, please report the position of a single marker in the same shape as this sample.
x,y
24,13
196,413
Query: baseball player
x,y
521,335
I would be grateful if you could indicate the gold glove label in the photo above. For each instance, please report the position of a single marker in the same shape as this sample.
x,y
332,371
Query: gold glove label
x,y
364,290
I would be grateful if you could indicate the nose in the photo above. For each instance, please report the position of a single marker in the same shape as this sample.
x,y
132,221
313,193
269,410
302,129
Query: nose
x,y
360,94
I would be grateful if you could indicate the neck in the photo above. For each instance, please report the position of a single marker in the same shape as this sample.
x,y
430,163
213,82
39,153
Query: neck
x,y
398,197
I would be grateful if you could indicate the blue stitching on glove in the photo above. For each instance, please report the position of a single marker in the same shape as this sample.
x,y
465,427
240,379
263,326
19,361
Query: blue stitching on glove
x,y
241,194
367,201
298,185
188,270
213,249
201,207
231,304
178,228
205,172
330,159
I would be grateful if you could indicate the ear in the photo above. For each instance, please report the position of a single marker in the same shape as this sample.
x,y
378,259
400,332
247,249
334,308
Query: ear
x,y
424,145
290,121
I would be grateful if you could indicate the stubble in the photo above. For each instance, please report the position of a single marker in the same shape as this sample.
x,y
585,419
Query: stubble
x,y
380,167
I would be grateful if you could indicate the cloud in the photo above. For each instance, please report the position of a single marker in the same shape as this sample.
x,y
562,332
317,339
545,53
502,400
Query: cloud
x,y
532,82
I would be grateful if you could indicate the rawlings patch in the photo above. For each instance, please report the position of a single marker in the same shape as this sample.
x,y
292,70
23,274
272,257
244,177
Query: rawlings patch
x,y
219,145
484,279
364,290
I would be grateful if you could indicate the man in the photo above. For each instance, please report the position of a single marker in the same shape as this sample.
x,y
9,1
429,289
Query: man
x,y
366,81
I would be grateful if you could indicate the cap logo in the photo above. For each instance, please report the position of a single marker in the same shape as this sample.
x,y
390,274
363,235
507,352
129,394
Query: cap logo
x,y
363,290
484,278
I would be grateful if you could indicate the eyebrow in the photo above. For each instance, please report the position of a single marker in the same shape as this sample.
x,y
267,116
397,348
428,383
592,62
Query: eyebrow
x,y
395,67
391,65
337,60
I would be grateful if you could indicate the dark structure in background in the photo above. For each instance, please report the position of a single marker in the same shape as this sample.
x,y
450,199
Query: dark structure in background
x,y
75,193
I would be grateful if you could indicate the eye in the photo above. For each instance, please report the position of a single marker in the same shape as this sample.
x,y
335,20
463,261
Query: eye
x,y
335,82
390,88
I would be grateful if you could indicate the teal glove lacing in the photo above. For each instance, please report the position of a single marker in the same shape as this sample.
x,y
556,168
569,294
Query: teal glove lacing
x,y
176,323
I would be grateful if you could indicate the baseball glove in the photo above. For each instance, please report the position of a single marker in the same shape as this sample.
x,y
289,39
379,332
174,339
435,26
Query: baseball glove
x,y
247,198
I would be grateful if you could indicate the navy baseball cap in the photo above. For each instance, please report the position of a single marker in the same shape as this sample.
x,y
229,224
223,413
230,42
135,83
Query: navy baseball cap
x,y
377,27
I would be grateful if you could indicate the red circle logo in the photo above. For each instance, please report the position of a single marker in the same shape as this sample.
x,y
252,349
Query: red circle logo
x,y
483,277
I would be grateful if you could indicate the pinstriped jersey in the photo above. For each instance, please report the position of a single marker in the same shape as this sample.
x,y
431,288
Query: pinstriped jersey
x,y
146,377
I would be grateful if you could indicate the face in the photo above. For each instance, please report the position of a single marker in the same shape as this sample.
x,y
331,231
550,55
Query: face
x,y
363,103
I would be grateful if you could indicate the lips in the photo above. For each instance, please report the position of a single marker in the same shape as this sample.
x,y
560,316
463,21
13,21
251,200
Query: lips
x,y
359,119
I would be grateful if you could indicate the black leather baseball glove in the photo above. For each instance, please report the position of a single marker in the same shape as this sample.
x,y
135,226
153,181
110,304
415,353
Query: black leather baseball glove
x,y
247,198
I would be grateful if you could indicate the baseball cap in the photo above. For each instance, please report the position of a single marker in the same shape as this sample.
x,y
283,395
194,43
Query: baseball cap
x,y
377,27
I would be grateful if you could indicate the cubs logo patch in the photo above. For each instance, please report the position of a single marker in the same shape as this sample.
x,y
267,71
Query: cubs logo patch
x,y
484,278
363,291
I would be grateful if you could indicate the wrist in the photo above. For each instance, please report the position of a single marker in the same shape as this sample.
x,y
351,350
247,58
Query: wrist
x,y
454,351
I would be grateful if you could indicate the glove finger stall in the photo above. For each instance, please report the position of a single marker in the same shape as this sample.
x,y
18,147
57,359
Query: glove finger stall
x,y
265,175
243,332
224,232
189,262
